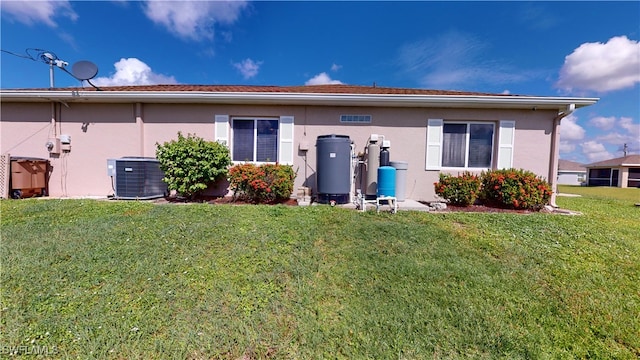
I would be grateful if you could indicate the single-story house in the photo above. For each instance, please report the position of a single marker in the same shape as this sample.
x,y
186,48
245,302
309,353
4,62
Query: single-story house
x,y
571,173
79,129
621,172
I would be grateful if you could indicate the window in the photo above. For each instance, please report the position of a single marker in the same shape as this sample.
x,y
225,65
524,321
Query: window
x,y
634,177
467,145
255,140
600,177
361,119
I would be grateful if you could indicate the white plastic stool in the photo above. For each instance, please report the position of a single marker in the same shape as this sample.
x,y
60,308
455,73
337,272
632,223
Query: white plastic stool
x,y
392,201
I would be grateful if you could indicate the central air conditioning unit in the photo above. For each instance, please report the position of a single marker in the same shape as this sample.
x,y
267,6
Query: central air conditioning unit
x,y
136,178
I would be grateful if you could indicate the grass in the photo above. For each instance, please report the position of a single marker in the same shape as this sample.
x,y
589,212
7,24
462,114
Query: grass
x,y
133,280
602,192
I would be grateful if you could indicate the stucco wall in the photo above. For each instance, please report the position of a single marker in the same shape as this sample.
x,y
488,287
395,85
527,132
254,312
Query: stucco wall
x,y
103,131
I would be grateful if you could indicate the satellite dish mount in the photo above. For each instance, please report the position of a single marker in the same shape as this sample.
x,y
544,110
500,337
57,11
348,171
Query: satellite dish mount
x,y
82,70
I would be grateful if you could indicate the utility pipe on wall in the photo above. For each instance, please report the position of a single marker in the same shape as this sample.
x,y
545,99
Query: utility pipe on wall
x,y
140,125
555,144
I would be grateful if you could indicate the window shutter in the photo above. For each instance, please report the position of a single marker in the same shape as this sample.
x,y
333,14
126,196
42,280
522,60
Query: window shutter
x,y
222,129
286,140
505,144
434,144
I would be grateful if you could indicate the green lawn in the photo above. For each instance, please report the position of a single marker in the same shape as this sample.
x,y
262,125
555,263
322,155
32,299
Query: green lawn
x,y
133,280
602,192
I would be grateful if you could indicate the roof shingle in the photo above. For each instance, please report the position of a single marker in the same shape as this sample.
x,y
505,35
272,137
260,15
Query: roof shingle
x,y
633,160
306,89
566,165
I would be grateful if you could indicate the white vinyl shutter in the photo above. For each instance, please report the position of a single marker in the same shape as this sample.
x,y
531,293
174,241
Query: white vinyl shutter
x,y
285,155
505,144
434,144
222,129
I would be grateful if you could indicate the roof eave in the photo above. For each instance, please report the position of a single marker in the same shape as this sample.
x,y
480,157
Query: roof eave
x,y
591,166
272,98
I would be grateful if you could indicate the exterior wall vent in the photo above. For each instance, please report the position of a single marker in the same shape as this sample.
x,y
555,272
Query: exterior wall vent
x,y
355,119
136,178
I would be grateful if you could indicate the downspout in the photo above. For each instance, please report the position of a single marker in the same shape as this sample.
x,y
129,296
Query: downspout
x,y
555,144
53,120
140,125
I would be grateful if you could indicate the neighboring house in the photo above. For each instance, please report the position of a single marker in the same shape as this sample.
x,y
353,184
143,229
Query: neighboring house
x,y
433,131
571,173
621,172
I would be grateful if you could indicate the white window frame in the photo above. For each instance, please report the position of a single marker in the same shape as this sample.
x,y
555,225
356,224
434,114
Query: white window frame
x,y
467,139
221,129
506,142
284,151
502,145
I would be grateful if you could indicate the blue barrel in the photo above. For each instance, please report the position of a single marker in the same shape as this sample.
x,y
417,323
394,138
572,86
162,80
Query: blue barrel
x,y
386,181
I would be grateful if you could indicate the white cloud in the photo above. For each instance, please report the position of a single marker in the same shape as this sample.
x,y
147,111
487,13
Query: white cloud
x,y
595,151
132,71
602,122
32,12
566,147
322,79
602,67
633,128
456,59
193,20
627,132
570,130
570,134
335,67
613,138
248,68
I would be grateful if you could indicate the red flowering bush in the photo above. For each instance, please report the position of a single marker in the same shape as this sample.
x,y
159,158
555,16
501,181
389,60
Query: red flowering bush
x,y
462,190
267,183
517,189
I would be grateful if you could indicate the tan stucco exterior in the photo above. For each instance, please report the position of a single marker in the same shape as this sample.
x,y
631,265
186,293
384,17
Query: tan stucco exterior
x,y
116,127
103,131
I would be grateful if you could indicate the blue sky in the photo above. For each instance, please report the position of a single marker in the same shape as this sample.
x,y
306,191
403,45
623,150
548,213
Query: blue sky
x,y
588,49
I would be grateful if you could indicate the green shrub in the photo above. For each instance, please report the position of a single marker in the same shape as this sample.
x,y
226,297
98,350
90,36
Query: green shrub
x,y
517,189
462,190
191,164
267,183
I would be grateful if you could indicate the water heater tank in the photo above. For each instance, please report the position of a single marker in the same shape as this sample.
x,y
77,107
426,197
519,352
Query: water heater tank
x,y
333,168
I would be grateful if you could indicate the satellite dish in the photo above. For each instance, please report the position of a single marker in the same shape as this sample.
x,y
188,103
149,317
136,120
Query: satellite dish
x,y
84,70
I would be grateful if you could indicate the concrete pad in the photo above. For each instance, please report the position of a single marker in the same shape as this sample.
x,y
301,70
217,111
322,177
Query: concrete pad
x,y
405,205
414,205
568,195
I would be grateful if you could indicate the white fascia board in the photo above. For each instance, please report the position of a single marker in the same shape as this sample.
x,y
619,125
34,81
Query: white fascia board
x,y
378,100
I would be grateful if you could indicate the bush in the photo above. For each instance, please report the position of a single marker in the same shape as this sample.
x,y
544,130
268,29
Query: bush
x,y
267,183
462,190
191,164
517,189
